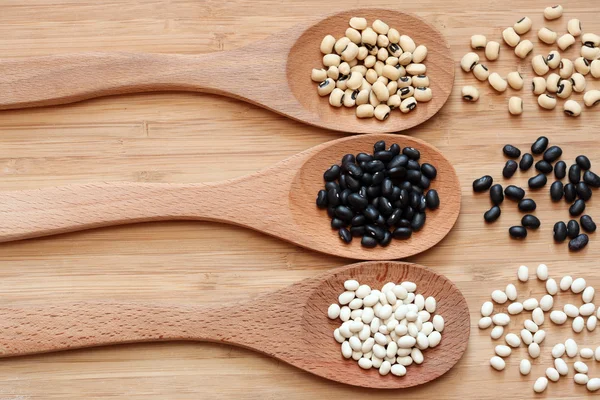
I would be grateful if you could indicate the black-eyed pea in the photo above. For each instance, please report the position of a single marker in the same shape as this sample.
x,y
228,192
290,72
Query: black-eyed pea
x,y
318,75
341,45
515,80
358,23
539,85
523,49
382,54
478,42
552,83
574,27
350,52
326,87
572,108
382,41
407,43
591,98
393,35
470,93
405,58
582,66
336,97
469,61
566,68
354,35
378,67
423,94
553,12
382,112
523,25
371,76
515,105
395,50
373,50
365,111
380,27
360,69
595,68
565,41
547,101
344,68
404,81
590,53
327,44
350,98
391,61
353,63
333,72
406,92
420,81
354,81
492,51
342,82
383,80
369,37
408,104
481,72
547,36
538,63
365,85
590,40
394,101
565,88
331,59
392,87
363,52
416,69
380,90
363,97
401,69
578,81
370,61
497,82
553,59
511,37
373,100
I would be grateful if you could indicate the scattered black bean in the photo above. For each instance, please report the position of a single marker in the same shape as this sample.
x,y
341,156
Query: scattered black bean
x,y
579,242
337,223
398,161
428,170
540,145
526,162
332,173
492,214
527,205
412,164
570,193
509,169
395,149
560,170
482,184
591,179
583,191
552,154
345,235
511,151
402,232
517,232
411,153
344,213
587,223
433,199
387,239
537,181
577,208
322,199
574,174
348,159
530,221
417,222
572,229
583,162
514,192
543,166
556,191
363,157
497,194
368,241
560,231
379,146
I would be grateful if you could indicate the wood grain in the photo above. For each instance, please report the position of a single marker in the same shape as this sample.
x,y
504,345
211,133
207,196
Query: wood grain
x,y
188,138
273,73
279,201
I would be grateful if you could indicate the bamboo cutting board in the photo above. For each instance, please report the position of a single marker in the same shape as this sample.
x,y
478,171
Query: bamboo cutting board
x,y
187,138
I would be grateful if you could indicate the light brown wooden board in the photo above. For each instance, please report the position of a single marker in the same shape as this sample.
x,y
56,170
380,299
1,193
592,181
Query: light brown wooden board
x,y
187,138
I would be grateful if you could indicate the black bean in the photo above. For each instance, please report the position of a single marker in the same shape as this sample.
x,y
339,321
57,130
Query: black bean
x,y
583,191
378,178
579,242
366,179
517,232
373,191
344,196
577,208
332,173
412,164
543,166
345,235
408,213
433,199
411,153
371,213
402,233
337,223
587,223
387,187
482,184
572,229
380,221
492,214
385,207
394,149
379,146
404,198
583,162
560,231
375,231
333,197
332,185
394,218
527,205
368,241
424,183
364,157
511,151
387,238
352,183
398,161
537,181
417,189
357,231
358,220
509,169
418,221
574,174
540,145
353,170
514,192
374,166
552,154
363,192
348,158
591,179
556,191
414,199
413,176
342,181
406,185
397,173
396,191
429,171
560,170
384,156
403,223
526,162
497,194
530,221
322,199
357,202
344,213
331,211
570,192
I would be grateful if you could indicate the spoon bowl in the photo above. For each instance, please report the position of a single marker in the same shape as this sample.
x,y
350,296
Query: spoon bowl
x,y
290,324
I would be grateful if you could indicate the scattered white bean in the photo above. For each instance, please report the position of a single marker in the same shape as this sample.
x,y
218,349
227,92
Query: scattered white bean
x,y
487,309
512,340
539,336
581,379
586,352
515,308
525,367
497,332
571,348
526,336
552,374
523,273
591,323
561,366
547,301
588,294
534,350
540,384
565,283
578,285
581,367
542,272
593,384
537,315
500,319
587,309
558,317
502,350
558,350
497,363
530,304
530,326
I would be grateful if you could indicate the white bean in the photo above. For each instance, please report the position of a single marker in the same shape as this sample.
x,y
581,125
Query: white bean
x,y
571,348
588,294
587,309
593,384
547,301
591,323
558,350
512,340
581,379
558,317
499,296
571,310
502,350
561,366
500,319
525,367
542,272
552,374
539,336
540,384
515,308
438,323
537,315
526,336
511,292
398,370
586,352
581,367
531,326
497,332
534,350
566,282
497,363
434,338
523,273
530,304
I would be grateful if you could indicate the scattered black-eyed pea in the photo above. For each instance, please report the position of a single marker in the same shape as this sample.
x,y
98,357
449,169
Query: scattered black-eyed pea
x,y
408,104
481,72
515,105
553,59
358,23
547,36
470,93
515,80
382,112
333,72
340,45
591,40
392,87
405,81
497,82
478,42
394,101
416,69
336,98
419,54
395,50
539,85
572,108
406,92
574,27
373,50
423,94
591,98
511,37
565,41
350,98
327,44
369,37
318,75
365,111
363,97
420,81
407,43
492,50
553,12
565,88
538,63
326,87
523,49
582,65
383,41
380,27
590,53
469,61
578,81
393,35
595,68
566,68
405,58
547,101
552,82
523,25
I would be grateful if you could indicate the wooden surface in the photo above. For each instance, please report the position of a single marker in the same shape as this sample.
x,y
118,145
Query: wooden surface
x,y
188,138
278,201
264,324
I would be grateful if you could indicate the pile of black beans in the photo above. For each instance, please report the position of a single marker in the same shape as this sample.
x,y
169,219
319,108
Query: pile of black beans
x,y
379,196
576,192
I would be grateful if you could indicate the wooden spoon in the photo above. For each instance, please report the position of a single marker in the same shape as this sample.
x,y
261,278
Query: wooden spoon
x,y
279,201
290,324
273,73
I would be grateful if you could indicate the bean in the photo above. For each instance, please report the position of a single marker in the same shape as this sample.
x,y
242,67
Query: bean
x,y
496,194
560,170
543,166
514,192
428,170
565,41
527,205
526,162
511,151
560,231
547,101
537,181
565,89
572,229
492,214
523,49
497,82
492,50
552,154
538,85
553,12
482,184
547,36
509,169
583,191
402,233
591,179
553,60
470,93
411,153
540,145
556,191
481,72
583,162
552,82
517,232
570,192
365,111
574,174
357,231
515,80
344,213
587,223
579,242
345,235
530,221
408,104
511,37
577,208
368,241
566,68
538,63
578,81
432,199
523,25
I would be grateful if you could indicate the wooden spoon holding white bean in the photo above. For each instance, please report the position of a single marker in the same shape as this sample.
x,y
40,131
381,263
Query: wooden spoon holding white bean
x,y
279,201
273,73
290,324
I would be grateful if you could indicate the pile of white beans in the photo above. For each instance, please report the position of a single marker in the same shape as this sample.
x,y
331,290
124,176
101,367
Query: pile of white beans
x,y
387,329
375,69
571,73
532,336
